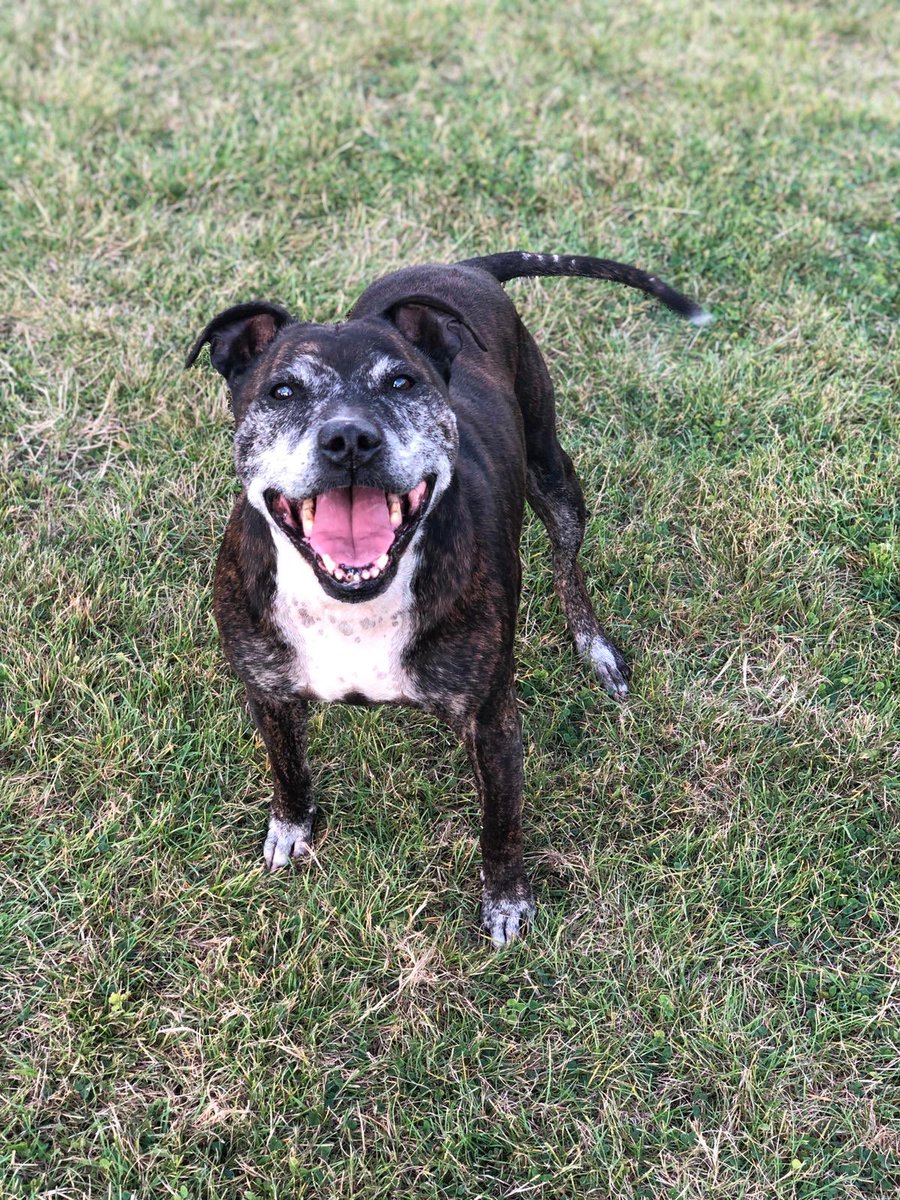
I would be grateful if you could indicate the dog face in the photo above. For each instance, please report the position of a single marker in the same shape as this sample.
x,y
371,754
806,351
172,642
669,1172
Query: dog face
x,y
344,439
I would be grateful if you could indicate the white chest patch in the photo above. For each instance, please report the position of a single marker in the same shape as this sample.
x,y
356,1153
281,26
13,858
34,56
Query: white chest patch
x,y
338,647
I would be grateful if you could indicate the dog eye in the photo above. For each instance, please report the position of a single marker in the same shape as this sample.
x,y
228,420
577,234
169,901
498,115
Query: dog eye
x,y
284,391
402,383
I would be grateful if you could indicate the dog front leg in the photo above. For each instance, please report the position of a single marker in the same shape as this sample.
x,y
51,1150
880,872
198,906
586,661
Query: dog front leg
x,y
282,726
494,744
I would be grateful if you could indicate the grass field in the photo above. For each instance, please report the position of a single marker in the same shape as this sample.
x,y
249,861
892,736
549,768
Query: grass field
x,y
707,1005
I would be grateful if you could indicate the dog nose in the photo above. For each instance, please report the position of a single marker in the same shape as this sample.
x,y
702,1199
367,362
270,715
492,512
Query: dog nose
x,y
349,441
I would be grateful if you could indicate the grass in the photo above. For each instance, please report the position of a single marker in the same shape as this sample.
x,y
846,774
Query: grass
x,y
707,1005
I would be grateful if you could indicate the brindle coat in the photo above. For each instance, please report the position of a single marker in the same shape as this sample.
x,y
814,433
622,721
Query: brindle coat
x,y
461,337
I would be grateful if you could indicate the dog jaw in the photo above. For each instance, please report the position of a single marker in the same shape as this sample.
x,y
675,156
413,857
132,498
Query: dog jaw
x,y
353,537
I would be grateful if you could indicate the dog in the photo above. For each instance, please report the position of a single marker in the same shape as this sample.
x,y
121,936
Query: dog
x,y
373,555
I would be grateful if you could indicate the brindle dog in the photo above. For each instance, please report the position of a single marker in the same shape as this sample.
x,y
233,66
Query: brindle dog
x,y
373,556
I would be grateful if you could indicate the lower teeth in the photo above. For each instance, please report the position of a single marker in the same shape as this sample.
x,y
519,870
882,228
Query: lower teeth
x,y
351,574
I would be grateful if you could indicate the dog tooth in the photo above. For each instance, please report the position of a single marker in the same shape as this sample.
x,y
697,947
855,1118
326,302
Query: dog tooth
x,y
339,574
416,496
382,562
308,514
396,513
374,572
282,506
328,563
366,573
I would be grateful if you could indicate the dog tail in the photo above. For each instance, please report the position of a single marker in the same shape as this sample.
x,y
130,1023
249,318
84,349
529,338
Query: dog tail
x,y
517,264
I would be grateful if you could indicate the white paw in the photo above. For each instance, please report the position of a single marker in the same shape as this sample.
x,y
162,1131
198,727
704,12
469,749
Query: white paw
x,y
285,841
505,919
609,666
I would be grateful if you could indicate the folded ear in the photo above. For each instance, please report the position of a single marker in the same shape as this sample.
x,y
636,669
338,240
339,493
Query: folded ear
x,y
237,335
433,327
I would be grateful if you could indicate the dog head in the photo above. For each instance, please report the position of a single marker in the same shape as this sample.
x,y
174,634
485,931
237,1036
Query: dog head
x,y
344,437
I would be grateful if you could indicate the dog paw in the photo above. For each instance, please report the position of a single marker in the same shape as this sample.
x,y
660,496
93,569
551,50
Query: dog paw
x,y
286,841
609,666
504,916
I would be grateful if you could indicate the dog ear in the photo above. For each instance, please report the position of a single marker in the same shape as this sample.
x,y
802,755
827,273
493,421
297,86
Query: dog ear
x,y
433,327
237,335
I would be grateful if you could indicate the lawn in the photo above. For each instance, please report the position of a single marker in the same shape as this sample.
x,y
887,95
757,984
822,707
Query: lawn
x,y
707,1004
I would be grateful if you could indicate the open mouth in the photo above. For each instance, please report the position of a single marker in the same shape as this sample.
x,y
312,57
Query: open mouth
x,y
353,536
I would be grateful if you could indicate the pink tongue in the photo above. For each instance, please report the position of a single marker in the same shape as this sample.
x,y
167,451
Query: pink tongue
x,y
352,525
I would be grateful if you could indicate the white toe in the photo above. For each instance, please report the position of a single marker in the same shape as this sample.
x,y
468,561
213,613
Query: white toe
x,y
286,841
608,671
504,919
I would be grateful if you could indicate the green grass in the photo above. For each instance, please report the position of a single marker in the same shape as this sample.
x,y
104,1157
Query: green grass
x,y
707,1004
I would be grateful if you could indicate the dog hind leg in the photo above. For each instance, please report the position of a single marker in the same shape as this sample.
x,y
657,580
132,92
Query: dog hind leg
x,y
555,495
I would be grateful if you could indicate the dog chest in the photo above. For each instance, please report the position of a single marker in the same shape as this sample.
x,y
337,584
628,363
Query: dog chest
x,y
342,649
